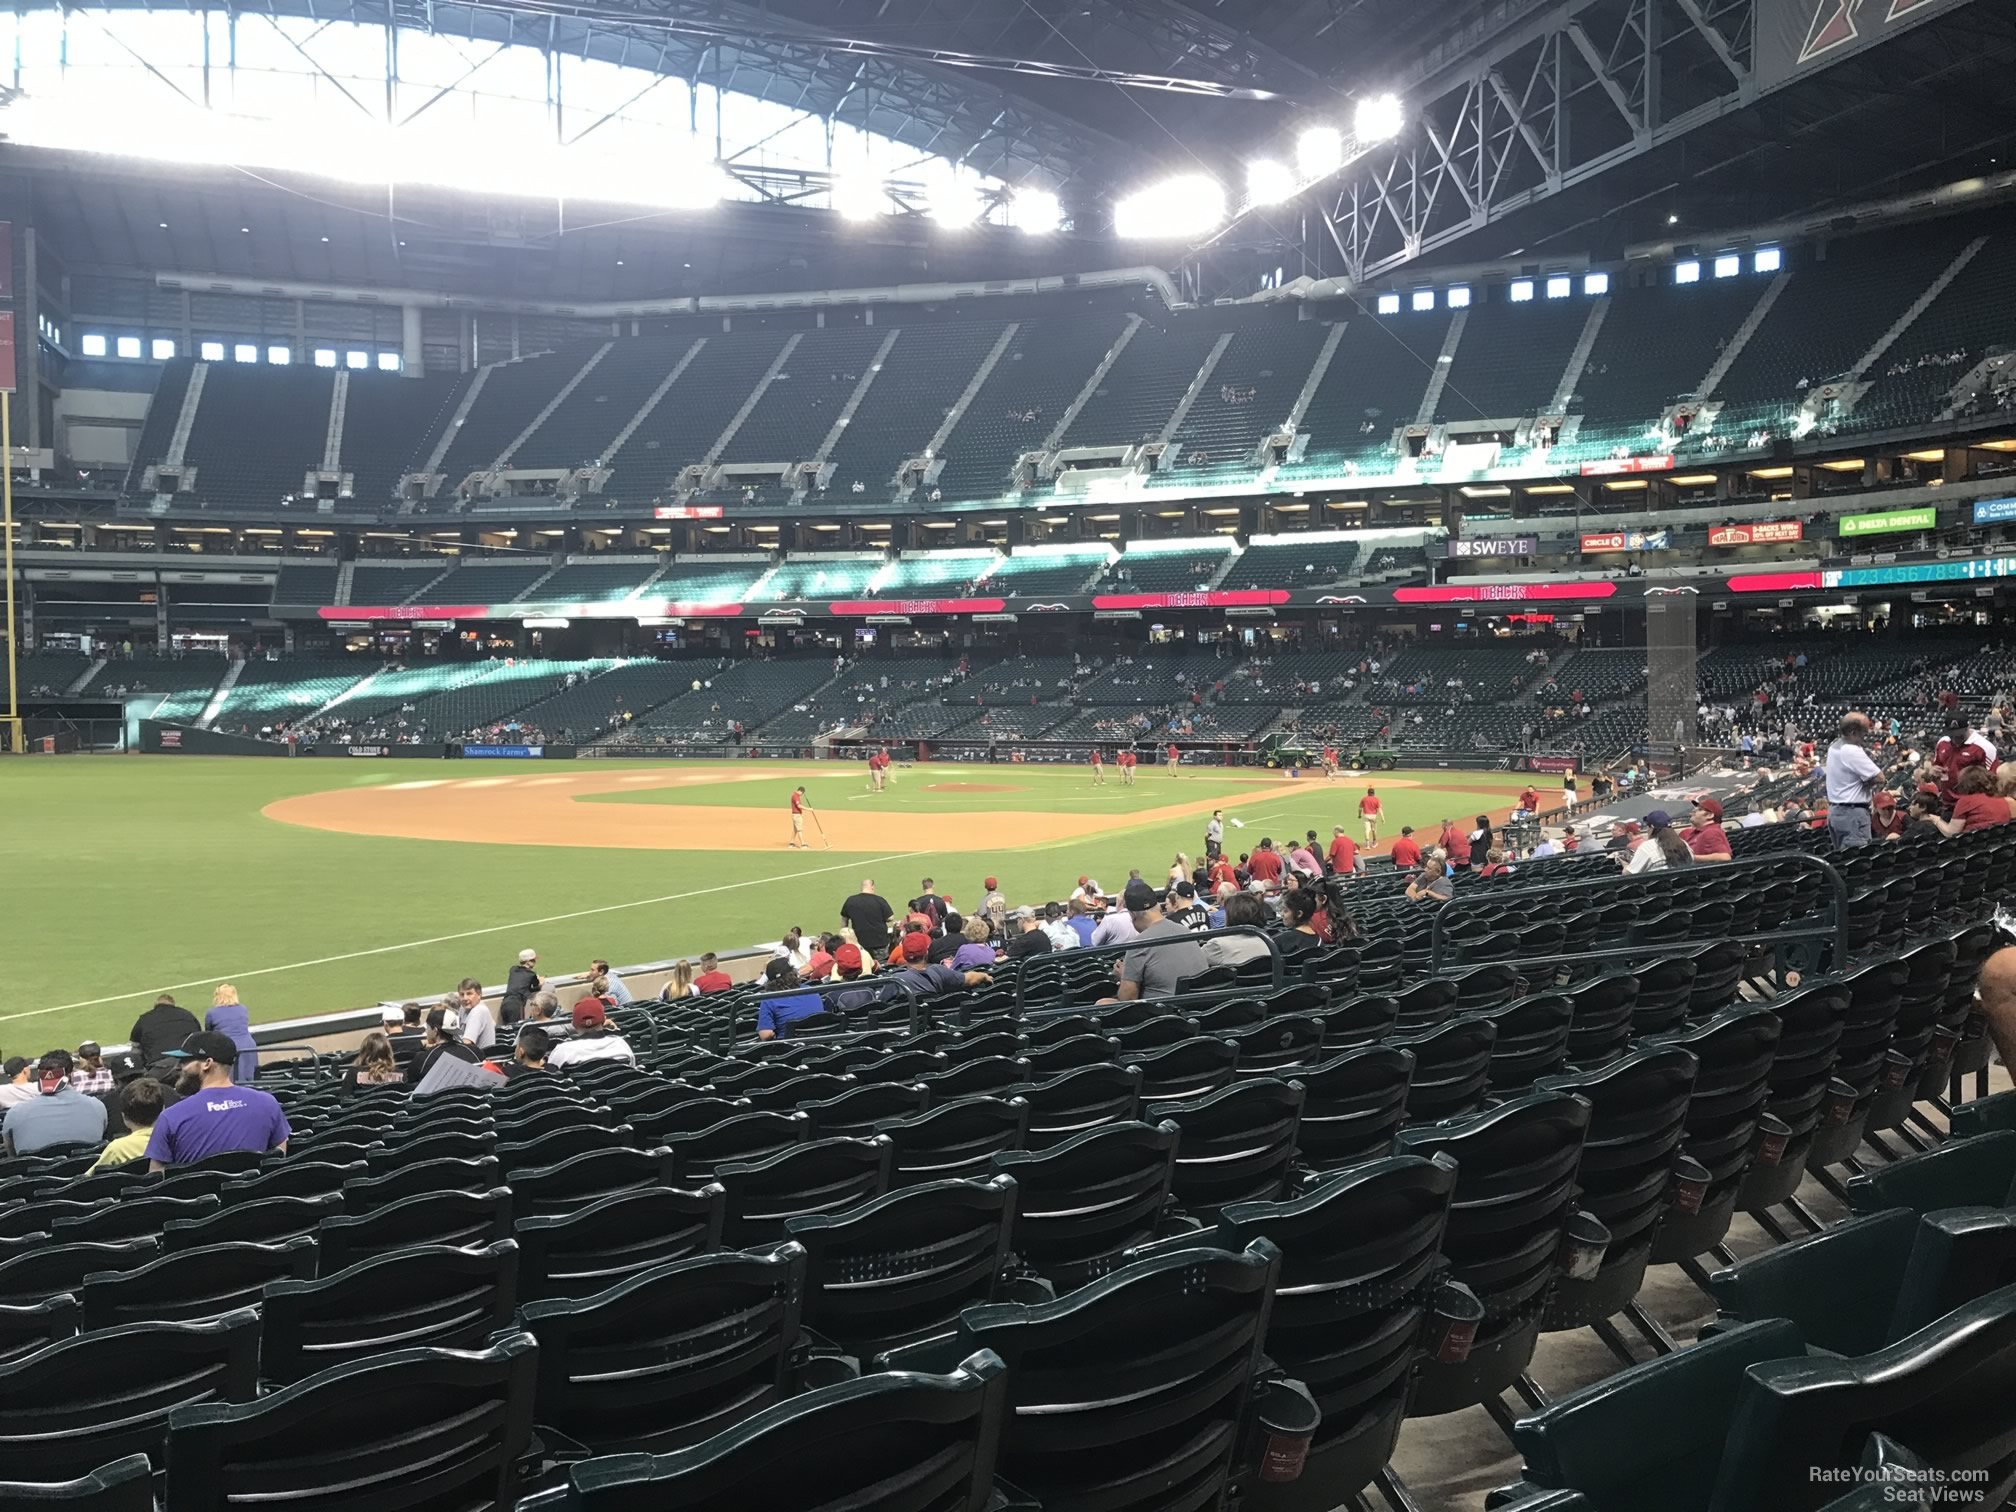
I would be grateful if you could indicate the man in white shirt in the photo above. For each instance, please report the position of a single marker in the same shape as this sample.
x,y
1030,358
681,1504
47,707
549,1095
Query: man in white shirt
x,y
591,1039
1852,777
1117,928
479,1026
1058,927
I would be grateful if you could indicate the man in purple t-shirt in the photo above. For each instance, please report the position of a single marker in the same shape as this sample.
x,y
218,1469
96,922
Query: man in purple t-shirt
x,y
214,1116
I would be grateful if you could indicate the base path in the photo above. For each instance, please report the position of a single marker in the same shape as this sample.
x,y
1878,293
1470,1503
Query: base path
x,y
539,812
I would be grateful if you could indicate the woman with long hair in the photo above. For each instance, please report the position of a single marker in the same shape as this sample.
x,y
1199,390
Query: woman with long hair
x,y
230,1018
1481,841
1661,848
681,985
375,1065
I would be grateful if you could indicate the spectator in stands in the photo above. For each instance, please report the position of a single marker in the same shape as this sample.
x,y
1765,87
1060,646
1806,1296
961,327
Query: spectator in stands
x,y
408,1034
1155,973
1266,865
518,988
1031,938
1705,837
92,1076
680,983
1406,852
920,973
214,1117
443,1042
869,915
1481,842
1080,921
1436,881
160,1029
1976,804
1308,924
993,906
1623,837
140,1107
1852,777
1058,927
1246,909
592,1039
1115,928
1185,909
58,1114
1495,864
1343,853
16,1082
375,1064
228,1017
479,1026
712,978
1661,848
819,963
974,951
617,992
528,1052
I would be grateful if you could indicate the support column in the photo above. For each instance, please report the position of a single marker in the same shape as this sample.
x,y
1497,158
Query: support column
x,y
412,355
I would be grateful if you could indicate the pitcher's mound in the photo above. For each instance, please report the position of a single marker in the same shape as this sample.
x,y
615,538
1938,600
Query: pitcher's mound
x,y
969,787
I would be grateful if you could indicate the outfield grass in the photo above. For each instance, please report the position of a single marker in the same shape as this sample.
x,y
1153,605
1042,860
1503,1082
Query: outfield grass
x,y
126,876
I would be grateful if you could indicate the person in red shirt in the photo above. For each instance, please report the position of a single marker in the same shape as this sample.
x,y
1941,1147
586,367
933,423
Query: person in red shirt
x,y
1406,850
1329,763
1222,872
1098,768
1977,804
1570,841
1369,809
1266,865
1961,747
1529,800
1706,838
1175,760
712,978
1343,853
1450,840
1125,760
1886,820
798,820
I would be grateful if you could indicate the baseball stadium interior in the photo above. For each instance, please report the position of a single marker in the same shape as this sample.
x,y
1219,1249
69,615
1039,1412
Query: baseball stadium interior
x,y
1601,409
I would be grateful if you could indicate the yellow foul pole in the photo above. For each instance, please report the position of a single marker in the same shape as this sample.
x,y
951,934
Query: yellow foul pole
x,y
11,624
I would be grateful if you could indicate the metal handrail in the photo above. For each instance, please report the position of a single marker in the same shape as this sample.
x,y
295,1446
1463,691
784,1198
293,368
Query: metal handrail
x,y
1836,931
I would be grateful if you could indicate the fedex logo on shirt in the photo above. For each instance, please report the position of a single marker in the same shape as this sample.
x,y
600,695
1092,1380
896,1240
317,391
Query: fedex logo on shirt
x,y
225,1106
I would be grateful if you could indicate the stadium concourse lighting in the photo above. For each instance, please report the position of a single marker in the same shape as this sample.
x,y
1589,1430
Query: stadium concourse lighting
x,y
1379,118
859,198
1269,182
1190,204
1319,152
1036,211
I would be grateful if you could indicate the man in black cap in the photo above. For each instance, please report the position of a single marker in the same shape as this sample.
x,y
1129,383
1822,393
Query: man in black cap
x,y
1155,973
160,1029
214,1116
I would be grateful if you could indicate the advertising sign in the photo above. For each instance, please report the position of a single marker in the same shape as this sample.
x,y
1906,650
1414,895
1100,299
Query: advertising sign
x,y
1610,467
1494,546
1795,37
519,751
1763,533
1889,522
688,512
1994,511
1628,540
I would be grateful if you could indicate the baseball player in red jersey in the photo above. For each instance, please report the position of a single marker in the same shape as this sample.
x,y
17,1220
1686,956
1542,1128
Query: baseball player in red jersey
x,y
1098,768
1126,760
1329,763
1175,760
1369,809
798,820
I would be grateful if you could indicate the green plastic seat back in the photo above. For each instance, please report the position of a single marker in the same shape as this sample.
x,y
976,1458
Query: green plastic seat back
x,y
1840,1287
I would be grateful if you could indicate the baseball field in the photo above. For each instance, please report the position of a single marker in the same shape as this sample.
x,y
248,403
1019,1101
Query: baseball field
x,y
317,885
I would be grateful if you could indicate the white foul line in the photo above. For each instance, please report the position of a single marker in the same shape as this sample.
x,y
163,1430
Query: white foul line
x,y
467,934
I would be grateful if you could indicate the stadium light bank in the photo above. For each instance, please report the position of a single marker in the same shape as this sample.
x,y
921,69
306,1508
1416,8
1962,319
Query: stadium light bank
x,y
1196,206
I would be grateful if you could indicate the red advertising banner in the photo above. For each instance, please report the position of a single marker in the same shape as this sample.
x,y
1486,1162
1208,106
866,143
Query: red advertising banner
x,y
1614,466
688,512
1506,593
6,351
1610,540
1763,533
6,259
1215,598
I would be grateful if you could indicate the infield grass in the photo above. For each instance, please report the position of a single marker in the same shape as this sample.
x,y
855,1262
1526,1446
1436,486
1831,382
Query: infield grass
x,y
125,876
